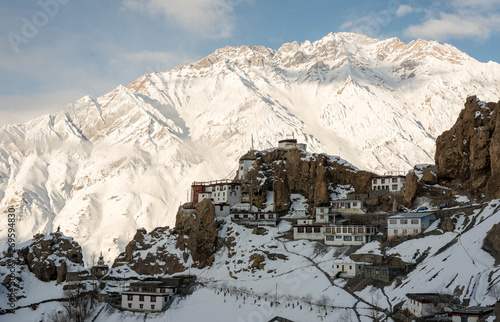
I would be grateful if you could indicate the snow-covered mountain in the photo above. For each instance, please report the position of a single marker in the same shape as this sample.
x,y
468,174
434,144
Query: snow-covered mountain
x,y
101,168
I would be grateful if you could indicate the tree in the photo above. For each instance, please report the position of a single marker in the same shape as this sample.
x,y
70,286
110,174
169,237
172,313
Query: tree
x,y
80,304
323,302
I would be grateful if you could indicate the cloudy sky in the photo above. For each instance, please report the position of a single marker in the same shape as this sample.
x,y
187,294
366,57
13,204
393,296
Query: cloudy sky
x,y
53,52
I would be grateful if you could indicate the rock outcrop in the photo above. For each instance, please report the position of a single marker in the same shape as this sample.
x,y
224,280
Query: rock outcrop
x,y
468,155
197,232
315,176
47,256
491,243
148,253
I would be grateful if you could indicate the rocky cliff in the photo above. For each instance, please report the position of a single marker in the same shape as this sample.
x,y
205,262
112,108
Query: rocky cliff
x,y
313,175
468,155
148,253
168,251
197,232
47,256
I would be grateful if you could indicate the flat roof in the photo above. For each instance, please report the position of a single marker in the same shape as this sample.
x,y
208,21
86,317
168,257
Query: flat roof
x,y
431,297
474,310
412,215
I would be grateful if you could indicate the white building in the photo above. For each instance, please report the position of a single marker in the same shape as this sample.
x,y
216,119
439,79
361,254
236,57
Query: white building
x,y
348,206
349,235
390,183
325,214
147,296
223,194
255,219
291,144
347,269
472,314
306,229
246,164
408,224
425,304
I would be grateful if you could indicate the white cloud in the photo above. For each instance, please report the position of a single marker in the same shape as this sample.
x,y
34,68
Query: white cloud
x,y
208,18
403,10
464,19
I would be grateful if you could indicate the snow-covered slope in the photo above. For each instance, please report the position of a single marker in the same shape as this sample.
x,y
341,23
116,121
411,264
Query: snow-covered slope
x,y
254,269
103,167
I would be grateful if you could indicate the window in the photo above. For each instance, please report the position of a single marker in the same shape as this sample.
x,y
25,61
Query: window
x,y
328,230
338,237
321,217
339,230
384,272
308,229
414,221
357,198
358,238
348,238
415,231
130,297
321,210
337,266
330,238
300,229
361,230
262,216
152,307
130,305
344,230
386,187
141,306
394,187
395,231
374,181
349,230
317,229
405,231
393,221
141,297
354,204
383,180
271,216
153,298
403,221
350,267
377,271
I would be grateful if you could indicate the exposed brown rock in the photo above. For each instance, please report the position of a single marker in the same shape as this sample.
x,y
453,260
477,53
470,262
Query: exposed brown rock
x,y
197,232
292,171
36,256
158,262
469,153
491,243
410,187
447,225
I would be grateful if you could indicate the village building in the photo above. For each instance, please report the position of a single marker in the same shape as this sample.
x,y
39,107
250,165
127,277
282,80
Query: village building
x,y
100,269
222,193
348,269
471,314
388,183
326,214
307,229
148,296
425,304
288,144
349,235
348,206
408,224
246,164
255,218
384,273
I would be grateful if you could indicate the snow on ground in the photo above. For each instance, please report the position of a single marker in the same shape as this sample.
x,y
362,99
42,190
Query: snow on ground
x,y
299,272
